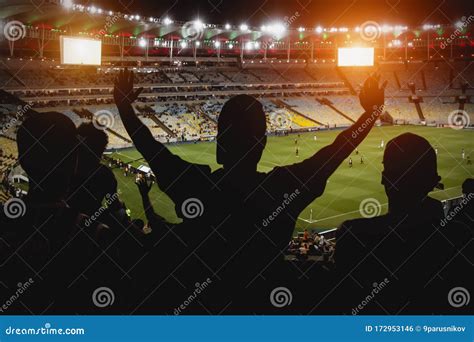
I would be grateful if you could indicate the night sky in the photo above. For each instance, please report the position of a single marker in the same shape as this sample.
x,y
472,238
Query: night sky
x,y
308,13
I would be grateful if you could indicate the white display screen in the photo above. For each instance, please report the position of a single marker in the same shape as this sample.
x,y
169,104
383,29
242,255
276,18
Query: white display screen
x,y
355,57
80,51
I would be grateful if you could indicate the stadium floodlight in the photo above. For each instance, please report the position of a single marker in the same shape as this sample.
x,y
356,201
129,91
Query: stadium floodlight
x,y
459,24
227,26
301,29
198,43
99,10
92,9
249,46
67,3
217,44
427,27
198,24
277,29
231,46
142,42
319,29
167,21
137,17
244,28
183,45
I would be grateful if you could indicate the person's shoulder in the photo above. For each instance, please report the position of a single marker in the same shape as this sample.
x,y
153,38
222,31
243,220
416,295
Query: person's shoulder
x,y
281,171
105,171
364,225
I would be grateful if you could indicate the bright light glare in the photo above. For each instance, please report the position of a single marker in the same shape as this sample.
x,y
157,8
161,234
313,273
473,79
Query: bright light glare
x,y
80,51
67,3
198,24
244,27
355,57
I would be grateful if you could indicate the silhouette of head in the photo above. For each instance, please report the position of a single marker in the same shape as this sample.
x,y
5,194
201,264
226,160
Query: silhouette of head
x,y
410,169
47,152
93,144
241,132
468,186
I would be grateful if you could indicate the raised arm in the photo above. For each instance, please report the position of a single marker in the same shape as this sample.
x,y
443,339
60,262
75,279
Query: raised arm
x,y
178,178
144,188
322,165
124,96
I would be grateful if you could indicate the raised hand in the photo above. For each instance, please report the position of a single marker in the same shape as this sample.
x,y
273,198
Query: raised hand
x,y
143,186
372,96
124,94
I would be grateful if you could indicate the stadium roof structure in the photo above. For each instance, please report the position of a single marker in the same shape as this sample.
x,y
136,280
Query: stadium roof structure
x,y
52,14
46,22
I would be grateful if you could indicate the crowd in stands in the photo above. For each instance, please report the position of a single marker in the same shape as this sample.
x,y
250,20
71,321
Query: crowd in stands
x,y
313,246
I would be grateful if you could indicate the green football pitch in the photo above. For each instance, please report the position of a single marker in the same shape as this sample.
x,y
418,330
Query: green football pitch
x,y
346,188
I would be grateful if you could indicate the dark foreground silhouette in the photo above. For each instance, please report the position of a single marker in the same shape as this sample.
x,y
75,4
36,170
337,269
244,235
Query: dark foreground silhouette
x,y
81,256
